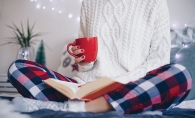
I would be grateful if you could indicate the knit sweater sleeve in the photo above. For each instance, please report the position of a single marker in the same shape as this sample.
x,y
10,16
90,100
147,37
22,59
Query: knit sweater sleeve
x,y
82,30
82,33
159,53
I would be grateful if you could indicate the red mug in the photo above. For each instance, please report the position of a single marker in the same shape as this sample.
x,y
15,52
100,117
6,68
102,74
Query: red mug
x,y
89,44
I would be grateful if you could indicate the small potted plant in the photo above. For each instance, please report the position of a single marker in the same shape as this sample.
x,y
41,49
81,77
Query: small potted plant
x,y
24,39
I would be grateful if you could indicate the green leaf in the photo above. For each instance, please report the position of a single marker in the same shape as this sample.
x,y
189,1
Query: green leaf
x,y
36,35
19,40
32,26
11,27
23,35
12,38
8,43
29,33
22,29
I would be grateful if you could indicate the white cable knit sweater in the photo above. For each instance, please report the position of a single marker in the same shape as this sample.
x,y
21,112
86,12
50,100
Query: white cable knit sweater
x,y
133,37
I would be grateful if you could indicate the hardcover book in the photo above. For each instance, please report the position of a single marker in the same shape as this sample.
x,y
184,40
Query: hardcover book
x,y
88,91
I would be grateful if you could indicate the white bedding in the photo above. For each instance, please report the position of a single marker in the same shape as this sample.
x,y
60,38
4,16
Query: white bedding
x,y
190,104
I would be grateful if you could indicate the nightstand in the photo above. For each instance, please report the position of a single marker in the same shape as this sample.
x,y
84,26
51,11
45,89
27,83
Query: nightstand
x,y
6,88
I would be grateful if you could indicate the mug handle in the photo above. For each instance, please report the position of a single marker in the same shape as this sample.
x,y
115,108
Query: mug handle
x,y
68,46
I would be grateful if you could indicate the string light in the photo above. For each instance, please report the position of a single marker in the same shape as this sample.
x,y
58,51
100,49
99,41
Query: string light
x,y
184,44
38,6
78,18
70,15
174,25
178,55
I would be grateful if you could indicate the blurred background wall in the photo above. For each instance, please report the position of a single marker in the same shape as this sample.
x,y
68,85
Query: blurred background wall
x,y
60,20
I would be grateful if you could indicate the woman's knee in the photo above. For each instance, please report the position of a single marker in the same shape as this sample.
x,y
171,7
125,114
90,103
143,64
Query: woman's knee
x,y
183,75
176,75
178,68
14,65
13,69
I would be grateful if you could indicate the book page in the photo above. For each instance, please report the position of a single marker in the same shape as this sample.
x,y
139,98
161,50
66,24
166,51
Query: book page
x,y
94,85
73,86
63,88
86,92
65,92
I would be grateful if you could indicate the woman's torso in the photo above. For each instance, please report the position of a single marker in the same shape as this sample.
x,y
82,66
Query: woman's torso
x,y
124,29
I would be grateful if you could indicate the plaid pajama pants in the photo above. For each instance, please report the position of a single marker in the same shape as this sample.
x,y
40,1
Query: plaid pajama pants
x,y
160,89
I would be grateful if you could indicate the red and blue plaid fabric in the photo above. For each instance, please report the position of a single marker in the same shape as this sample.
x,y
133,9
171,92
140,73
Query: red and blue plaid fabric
x,y
160,89
27,76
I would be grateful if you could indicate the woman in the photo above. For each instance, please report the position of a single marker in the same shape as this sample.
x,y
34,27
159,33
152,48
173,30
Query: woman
x,y
134,48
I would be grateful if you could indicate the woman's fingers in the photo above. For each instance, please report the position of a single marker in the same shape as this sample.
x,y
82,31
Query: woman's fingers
x,y
76,51
75,48
79,59
79,51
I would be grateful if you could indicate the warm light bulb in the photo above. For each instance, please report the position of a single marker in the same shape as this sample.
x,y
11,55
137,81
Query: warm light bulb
x,y
78,18
70,15
177,56
38,6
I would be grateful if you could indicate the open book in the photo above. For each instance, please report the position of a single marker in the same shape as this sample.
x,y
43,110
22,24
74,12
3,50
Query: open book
x,y
85,92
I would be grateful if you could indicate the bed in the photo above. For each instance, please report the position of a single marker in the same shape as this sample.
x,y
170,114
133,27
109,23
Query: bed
x,y
185,110
173,113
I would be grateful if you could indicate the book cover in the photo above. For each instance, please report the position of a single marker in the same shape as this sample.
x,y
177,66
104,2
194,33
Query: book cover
x,y
88,91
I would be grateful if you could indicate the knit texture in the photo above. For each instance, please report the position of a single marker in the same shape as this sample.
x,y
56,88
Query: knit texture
x,y
133,37
76,106
30,105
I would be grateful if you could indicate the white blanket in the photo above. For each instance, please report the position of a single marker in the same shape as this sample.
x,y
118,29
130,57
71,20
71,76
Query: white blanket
x,y
190,104
8,110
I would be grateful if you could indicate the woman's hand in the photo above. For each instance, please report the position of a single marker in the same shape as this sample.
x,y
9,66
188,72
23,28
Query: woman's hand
x,y
76,51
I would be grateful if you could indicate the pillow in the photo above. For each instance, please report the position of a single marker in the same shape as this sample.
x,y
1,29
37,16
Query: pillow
x,y
182,36
67,65
186,58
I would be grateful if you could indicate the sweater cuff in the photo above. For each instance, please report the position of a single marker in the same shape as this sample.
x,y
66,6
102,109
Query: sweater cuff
x,y
85,67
